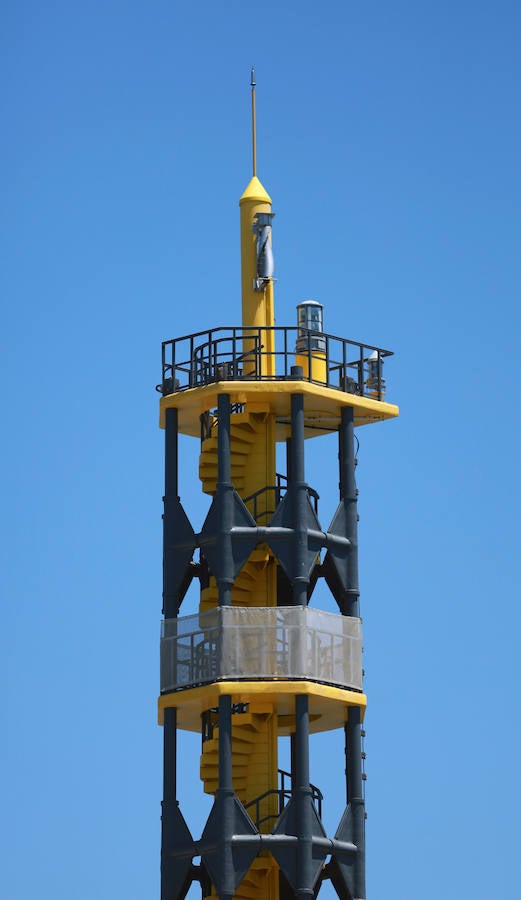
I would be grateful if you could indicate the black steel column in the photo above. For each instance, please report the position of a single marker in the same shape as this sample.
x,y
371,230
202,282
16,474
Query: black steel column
x,y
351,607
349,494
299,491
225,794
170,754
169,797
224,493
355,796
303,799
171,493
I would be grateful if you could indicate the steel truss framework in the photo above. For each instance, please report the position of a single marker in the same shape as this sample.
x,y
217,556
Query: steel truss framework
x,y
231,839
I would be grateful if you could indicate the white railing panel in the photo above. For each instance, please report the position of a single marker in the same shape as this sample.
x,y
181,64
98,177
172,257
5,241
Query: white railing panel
x,y
284,642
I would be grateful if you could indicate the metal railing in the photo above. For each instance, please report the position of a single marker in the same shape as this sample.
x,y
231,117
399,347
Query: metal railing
x,y
219,354
284,794
261,643
277,491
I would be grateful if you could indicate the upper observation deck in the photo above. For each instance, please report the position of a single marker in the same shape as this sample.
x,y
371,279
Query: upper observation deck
x,y
264,365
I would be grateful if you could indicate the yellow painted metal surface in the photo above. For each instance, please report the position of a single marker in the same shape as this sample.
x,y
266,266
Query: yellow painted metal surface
x,y
252,458
327,705
255,193
314,365
261,881
254,759
322,405
257,578
254,771
257,305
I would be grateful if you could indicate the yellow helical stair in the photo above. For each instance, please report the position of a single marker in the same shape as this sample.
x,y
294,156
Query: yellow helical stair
x,y
248,435
254,734
249,584
247,440
253,744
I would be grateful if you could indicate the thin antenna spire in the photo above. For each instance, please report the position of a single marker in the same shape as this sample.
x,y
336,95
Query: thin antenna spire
x,y
253,122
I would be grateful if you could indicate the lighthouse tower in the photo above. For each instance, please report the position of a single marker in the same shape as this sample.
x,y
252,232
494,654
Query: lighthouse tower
x,y
258,661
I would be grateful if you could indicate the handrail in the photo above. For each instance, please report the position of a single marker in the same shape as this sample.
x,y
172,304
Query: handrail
x,y
283,793
277,489
218,354
210,646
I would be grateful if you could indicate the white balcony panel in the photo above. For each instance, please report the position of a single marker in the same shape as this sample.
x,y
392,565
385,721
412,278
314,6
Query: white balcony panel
x,y
268,643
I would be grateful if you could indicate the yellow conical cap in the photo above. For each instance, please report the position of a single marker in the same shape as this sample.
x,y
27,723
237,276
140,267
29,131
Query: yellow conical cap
x,y
255,192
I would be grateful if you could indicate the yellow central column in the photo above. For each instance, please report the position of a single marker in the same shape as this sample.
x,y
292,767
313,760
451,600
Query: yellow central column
x,y
253,463
258,313
257,304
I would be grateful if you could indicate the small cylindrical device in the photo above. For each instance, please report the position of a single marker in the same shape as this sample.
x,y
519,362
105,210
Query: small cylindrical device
x,y
375,382
265,264
310,318
311,341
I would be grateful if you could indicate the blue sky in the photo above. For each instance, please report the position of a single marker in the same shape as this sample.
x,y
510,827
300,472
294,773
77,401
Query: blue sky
x,y
389,140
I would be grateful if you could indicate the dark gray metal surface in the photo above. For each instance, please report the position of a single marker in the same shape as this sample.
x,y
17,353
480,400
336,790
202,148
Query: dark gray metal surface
x,y
177,845
178,534
230,840
341,570
226,862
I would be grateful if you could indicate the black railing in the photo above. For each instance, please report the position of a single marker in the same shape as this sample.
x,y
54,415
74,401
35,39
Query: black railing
x,y
277,491
283,793
270,354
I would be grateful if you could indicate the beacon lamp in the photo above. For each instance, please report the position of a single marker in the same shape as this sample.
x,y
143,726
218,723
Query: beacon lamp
x,y
311,341
375,382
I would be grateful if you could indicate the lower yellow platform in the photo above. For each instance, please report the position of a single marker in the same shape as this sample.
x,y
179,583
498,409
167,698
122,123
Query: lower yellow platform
x,y
327,705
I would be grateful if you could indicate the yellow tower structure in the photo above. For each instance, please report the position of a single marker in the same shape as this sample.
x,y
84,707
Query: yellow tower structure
x,y
257,662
